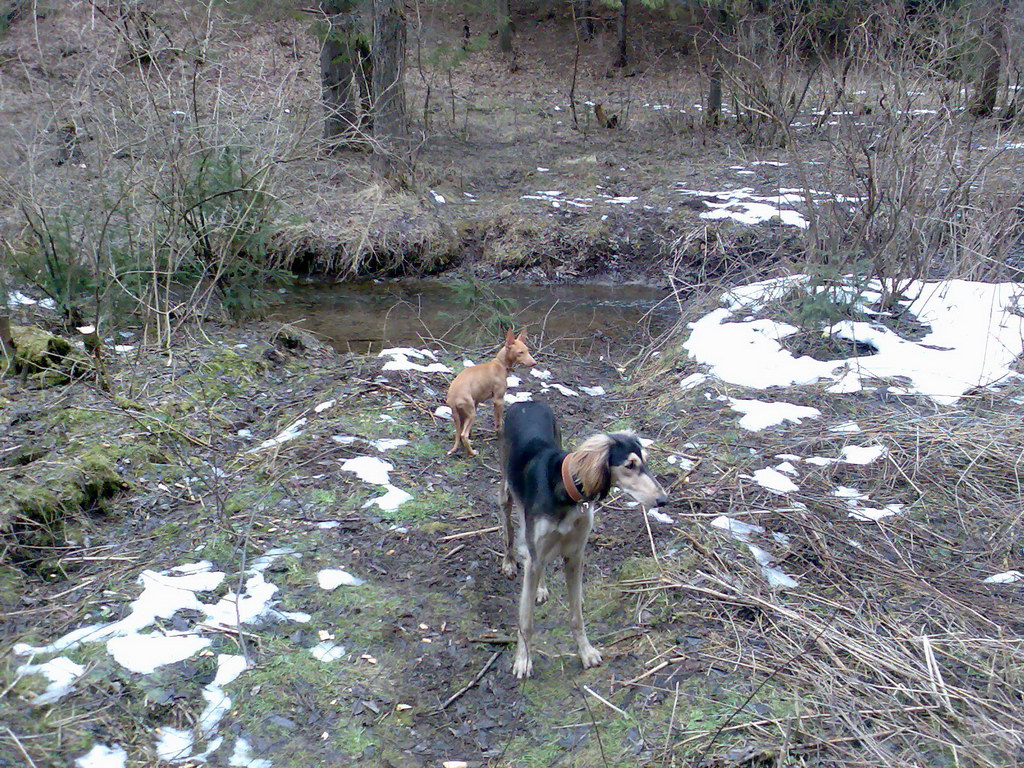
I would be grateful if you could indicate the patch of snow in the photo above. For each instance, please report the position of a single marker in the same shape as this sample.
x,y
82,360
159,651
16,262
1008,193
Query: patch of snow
x,y
344,439
563,389
62,673
855,454
391,500
872,514
975,337
324,406
173,745
332,578
327,651
218,703
102,756
233,609
387,443
659,517
596,391
1009,577
540,373
290,433
759,415
467,363
787,468
518,397
847,427
443,412
775,481
513,381
369,469
439,199
693,380
684,463
242,757
145,653
845,492
742,532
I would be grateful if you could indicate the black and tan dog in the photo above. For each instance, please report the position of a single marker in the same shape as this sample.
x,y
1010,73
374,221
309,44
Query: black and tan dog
x,y
553,489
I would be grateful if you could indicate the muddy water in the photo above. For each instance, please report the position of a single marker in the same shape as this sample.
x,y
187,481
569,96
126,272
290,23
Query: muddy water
x,y
367,316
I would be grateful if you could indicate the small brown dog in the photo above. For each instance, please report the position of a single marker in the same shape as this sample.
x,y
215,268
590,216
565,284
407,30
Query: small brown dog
x,y
480,383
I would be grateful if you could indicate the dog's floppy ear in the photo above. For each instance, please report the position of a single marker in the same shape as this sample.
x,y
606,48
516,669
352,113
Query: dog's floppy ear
x,y
591,466
509,338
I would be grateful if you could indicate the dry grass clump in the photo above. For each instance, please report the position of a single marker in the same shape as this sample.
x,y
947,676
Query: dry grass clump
x,y
892,649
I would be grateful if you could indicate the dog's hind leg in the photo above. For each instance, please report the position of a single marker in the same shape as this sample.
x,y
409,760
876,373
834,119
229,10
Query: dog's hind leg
x,y
505,505
457,418
499,411
467,426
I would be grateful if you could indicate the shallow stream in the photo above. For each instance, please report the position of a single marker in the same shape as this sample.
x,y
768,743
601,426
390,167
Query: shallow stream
x,y
370,315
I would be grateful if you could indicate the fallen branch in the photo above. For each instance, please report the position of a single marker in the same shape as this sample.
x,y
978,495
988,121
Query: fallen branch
x,y
461,692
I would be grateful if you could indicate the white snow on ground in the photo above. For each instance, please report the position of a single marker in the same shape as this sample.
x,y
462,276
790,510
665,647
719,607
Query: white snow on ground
x,y
387,443
392,499
290,433
1009,577
856,454
693,380
518,397
327,651
62,673
102,756
774,481
560,388
540,373
242,757
369,469
163,595
320,408
974,339
16,300
400,360
659,517
332,578
759,415
513,381
443,412
595,391
173,744
741,531
145,653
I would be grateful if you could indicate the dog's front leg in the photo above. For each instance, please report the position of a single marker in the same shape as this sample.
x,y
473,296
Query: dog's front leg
x,y
522,667
589,655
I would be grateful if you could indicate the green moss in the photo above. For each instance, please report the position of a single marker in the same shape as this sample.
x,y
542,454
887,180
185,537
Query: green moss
x,y
46,357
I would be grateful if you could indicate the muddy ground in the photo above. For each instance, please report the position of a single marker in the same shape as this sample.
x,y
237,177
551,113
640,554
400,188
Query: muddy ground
x,y
434,608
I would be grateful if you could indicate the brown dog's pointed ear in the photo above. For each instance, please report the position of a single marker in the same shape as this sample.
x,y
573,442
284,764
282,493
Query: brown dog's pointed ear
x,y
522,335
509,338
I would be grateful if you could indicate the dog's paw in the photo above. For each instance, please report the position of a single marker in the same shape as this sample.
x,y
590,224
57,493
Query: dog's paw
x,y
508,567
452,451
590,656
522,668
542,595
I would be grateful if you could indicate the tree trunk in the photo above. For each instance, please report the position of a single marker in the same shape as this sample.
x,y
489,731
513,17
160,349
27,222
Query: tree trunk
x,y
6,342
713,114
503,20
339,71
587,19
390,129
621,46
990,59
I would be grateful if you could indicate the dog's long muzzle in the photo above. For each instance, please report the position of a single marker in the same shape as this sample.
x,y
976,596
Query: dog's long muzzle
x,y
648,491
